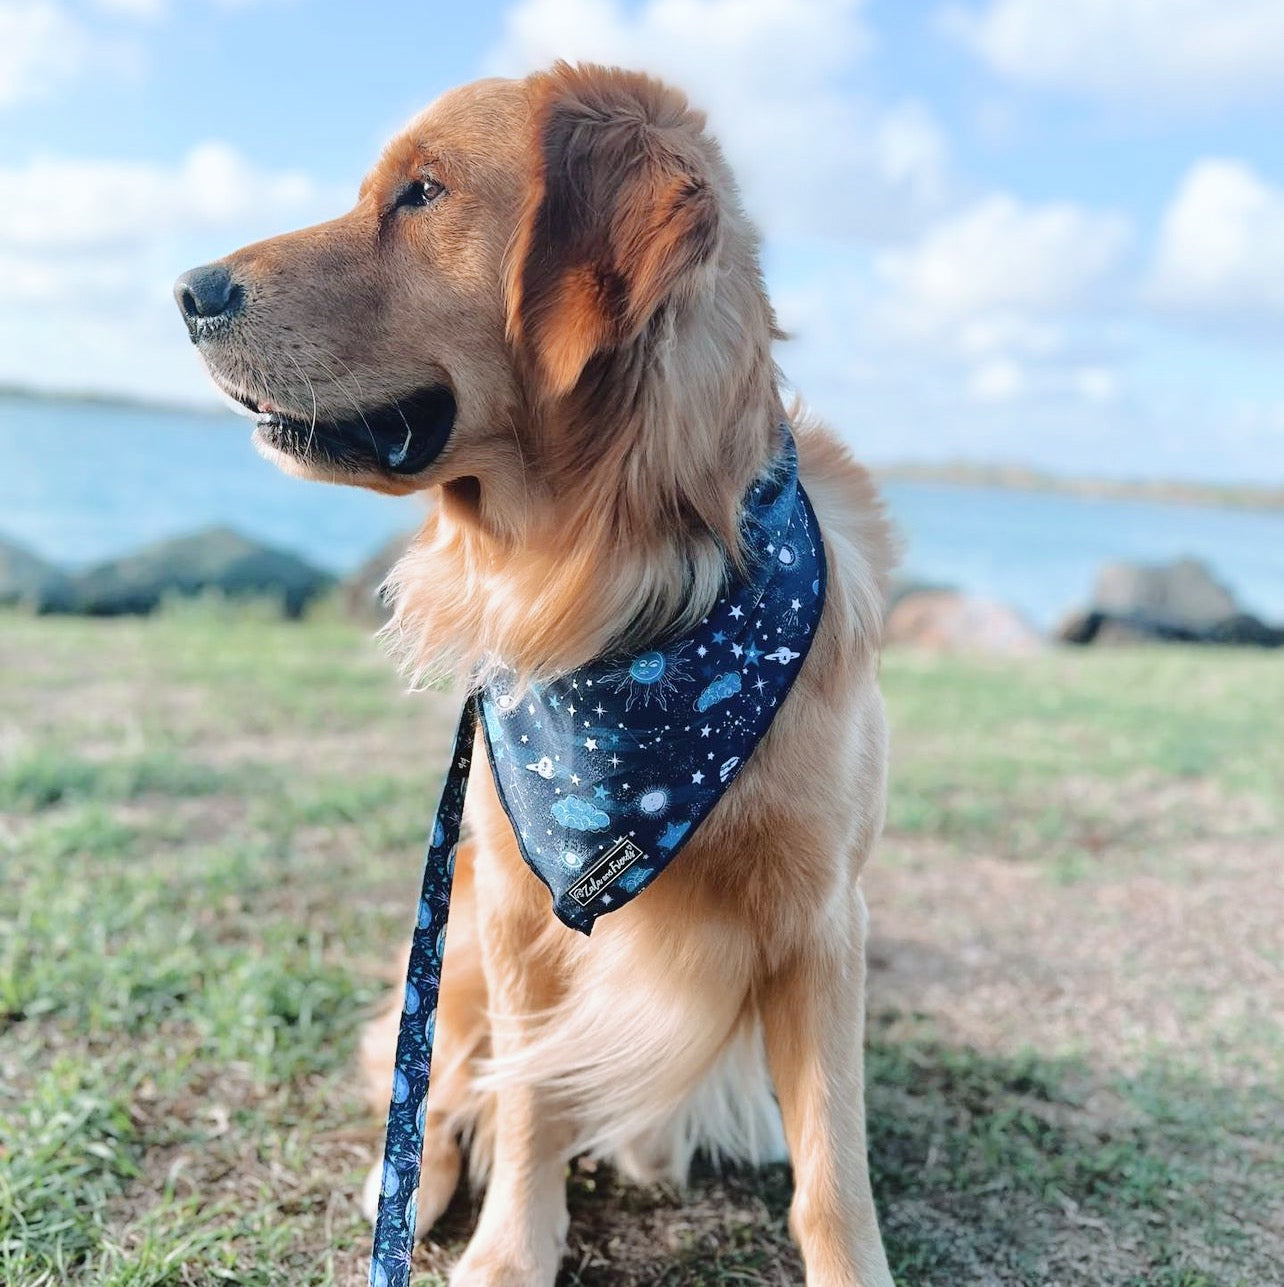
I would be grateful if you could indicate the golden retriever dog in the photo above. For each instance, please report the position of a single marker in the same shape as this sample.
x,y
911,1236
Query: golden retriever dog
x,y
546,313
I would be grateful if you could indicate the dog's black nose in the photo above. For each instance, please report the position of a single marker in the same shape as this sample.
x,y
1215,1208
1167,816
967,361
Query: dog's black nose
x,y
207,293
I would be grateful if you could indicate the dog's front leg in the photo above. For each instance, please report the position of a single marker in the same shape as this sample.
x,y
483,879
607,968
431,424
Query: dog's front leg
x,y
521,1232
814,1017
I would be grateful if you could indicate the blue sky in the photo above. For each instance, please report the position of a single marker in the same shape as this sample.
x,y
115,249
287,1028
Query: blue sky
x,y
1002,230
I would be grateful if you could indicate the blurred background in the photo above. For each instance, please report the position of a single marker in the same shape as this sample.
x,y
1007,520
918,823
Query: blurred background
x,y
1023,250
1031,258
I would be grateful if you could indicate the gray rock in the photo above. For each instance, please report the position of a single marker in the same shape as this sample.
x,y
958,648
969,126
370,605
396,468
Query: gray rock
x,y
1170,603
1183,595
901,587
29,581
361,595
214,559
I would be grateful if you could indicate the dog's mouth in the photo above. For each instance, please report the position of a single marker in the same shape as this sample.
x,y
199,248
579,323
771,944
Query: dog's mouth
x,y
402,437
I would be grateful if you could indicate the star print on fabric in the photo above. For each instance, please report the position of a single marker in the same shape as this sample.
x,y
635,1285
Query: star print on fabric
x,y
737,612
705,731
697,777
590,744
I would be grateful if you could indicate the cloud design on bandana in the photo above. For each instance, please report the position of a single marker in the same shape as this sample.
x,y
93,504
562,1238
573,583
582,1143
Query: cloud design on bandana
x,y
580,815
724,686
635,879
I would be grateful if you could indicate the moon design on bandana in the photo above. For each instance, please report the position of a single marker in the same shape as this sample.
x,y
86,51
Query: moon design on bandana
x,y
650,676
654,802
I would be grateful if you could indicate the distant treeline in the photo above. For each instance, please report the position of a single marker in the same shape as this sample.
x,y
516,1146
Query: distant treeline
x,y
1021,478
97,398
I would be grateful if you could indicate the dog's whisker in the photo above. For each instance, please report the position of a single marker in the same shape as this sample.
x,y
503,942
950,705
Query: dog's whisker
x,y
312,428
356,401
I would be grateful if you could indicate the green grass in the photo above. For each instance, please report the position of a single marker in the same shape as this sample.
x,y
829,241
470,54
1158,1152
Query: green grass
x,y
1037,754
210,833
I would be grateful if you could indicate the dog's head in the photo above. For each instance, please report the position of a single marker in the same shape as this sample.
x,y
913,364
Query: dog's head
x,y
519,261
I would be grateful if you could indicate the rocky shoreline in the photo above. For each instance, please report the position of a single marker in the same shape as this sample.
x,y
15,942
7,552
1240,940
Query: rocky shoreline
x,y
1180,602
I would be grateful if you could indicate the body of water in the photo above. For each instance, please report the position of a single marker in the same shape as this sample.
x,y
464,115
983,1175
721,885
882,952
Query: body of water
x,y
80,483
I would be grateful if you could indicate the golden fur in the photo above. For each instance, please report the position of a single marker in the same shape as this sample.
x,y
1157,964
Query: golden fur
x,y
590,291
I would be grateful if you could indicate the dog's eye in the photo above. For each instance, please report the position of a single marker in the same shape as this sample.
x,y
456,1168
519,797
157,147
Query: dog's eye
x,y
423,192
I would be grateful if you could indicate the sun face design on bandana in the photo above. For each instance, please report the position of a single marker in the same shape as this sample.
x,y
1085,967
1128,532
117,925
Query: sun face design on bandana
x,y
650,676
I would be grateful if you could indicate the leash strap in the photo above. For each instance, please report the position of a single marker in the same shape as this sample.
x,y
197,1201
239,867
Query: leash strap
x,y
394,1235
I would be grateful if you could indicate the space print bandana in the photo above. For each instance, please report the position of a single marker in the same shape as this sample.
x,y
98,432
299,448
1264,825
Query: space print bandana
x,y
605,773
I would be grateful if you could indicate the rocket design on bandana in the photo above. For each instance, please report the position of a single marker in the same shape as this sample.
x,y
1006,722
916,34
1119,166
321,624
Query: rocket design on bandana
x,y
606,772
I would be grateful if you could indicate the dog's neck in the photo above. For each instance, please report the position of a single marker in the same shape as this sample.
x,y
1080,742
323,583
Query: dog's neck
x,y
628,546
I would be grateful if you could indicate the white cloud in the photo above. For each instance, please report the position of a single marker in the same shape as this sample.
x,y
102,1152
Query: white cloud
x,y
144,9
66,206
41,47
1097,384
1184,53
995,263
813,155
1221,245
149,10
89,249
1001,380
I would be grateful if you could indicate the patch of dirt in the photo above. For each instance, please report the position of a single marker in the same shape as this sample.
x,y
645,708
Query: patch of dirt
x,y
1001,958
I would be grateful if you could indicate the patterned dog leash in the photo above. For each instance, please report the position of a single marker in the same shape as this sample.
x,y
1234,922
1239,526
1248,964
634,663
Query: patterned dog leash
x,y
394,1235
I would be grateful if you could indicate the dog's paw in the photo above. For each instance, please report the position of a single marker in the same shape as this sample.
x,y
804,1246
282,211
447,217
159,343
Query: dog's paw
x,y
501,1270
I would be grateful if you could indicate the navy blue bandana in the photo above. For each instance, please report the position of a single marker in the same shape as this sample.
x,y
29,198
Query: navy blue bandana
x,y
605,774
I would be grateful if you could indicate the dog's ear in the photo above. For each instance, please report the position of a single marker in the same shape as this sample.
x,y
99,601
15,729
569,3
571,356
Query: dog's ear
x,y
620,213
